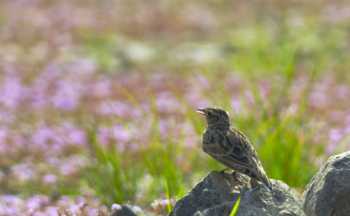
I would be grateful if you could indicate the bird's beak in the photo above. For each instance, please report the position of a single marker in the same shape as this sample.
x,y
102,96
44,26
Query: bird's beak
x,y
201,111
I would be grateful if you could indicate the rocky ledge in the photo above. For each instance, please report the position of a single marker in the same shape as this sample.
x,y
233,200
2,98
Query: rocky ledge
x,y
216,194
327,194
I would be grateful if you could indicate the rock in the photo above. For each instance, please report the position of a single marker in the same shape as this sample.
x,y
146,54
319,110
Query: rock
x,y
328,193
126,210
216,194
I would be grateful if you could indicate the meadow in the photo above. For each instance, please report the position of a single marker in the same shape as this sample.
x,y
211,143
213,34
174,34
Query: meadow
x,y
98,98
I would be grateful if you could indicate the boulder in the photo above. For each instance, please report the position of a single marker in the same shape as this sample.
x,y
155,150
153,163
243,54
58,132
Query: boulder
x,y
216,194
328,193
126,210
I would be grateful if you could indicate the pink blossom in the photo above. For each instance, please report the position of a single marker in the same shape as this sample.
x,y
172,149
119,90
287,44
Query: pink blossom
x,y
121,134
167,103
117,108
50,179
102,88
11,92
36,202
236,105
46,137
67,96
335,136
103,135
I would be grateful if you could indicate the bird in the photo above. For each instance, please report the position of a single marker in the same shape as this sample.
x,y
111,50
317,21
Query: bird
x,y
231,147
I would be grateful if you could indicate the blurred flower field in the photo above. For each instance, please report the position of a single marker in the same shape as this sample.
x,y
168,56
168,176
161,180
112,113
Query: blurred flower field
x,y
98,98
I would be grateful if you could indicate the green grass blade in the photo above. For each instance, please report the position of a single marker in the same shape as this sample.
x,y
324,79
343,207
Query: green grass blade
x,y
235,207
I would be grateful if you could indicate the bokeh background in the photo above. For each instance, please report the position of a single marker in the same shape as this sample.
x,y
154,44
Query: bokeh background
x,y
98,97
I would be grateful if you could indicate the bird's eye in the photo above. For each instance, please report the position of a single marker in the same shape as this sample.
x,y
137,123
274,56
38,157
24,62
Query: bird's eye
x,y
210,113
213,116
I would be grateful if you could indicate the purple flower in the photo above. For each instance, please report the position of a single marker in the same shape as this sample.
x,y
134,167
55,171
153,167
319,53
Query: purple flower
x,y
23,172
117,108
6,117
72,165
38,213
236,105
3,137
249,97
166,102
50,179
343,92
77,136
37,202
82,67
39,95
103,136
102,88
67,95
164,126
92,211
121,134
10,204
46,137
40,89
335,136
51,211
10,199
11,92
162,203
347,130
318,97
75,209
72,134
202,81
196,99
191,138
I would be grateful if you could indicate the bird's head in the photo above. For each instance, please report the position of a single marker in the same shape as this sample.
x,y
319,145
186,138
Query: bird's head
x,y
215,117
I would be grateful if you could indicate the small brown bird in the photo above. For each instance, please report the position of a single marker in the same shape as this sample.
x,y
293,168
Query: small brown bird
x,y
230,146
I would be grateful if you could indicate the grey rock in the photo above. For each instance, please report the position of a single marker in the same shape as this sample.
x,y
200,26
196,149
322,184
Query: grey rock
x,y
328,193
127,210
216,194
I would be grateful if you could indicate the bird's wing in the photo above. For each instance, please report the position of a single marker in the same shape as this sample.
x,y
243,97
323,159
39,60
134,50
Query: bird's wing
x,y
235,151
225,149
242,150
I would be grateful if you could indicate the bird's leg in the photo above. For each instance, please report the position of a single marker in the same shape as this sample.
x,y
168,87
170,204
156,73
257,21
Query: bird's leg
x,y
235,176
253,182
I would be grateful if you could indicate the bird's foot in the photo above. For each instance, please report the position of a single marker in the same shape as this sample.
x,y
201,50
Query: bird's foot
x,y
235,176
253,183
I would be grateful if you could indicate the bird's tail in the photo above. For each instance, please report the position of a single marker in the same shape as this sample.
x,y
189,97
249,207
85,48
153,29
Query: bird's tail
x,y
264,178
267,182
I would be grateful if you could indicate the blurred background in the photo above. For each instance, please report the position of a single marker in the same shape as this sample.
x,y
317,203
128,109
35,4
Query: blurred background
x,y
98,97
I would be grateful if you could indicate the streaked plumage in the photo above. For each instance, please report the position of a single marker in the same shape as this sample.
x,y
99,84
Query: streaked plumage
x,y
230,146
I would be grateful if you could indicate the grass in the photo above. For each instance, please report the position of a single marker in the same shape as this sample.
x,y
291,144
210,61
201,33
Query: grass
x,y
235,207
118,178
281,141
